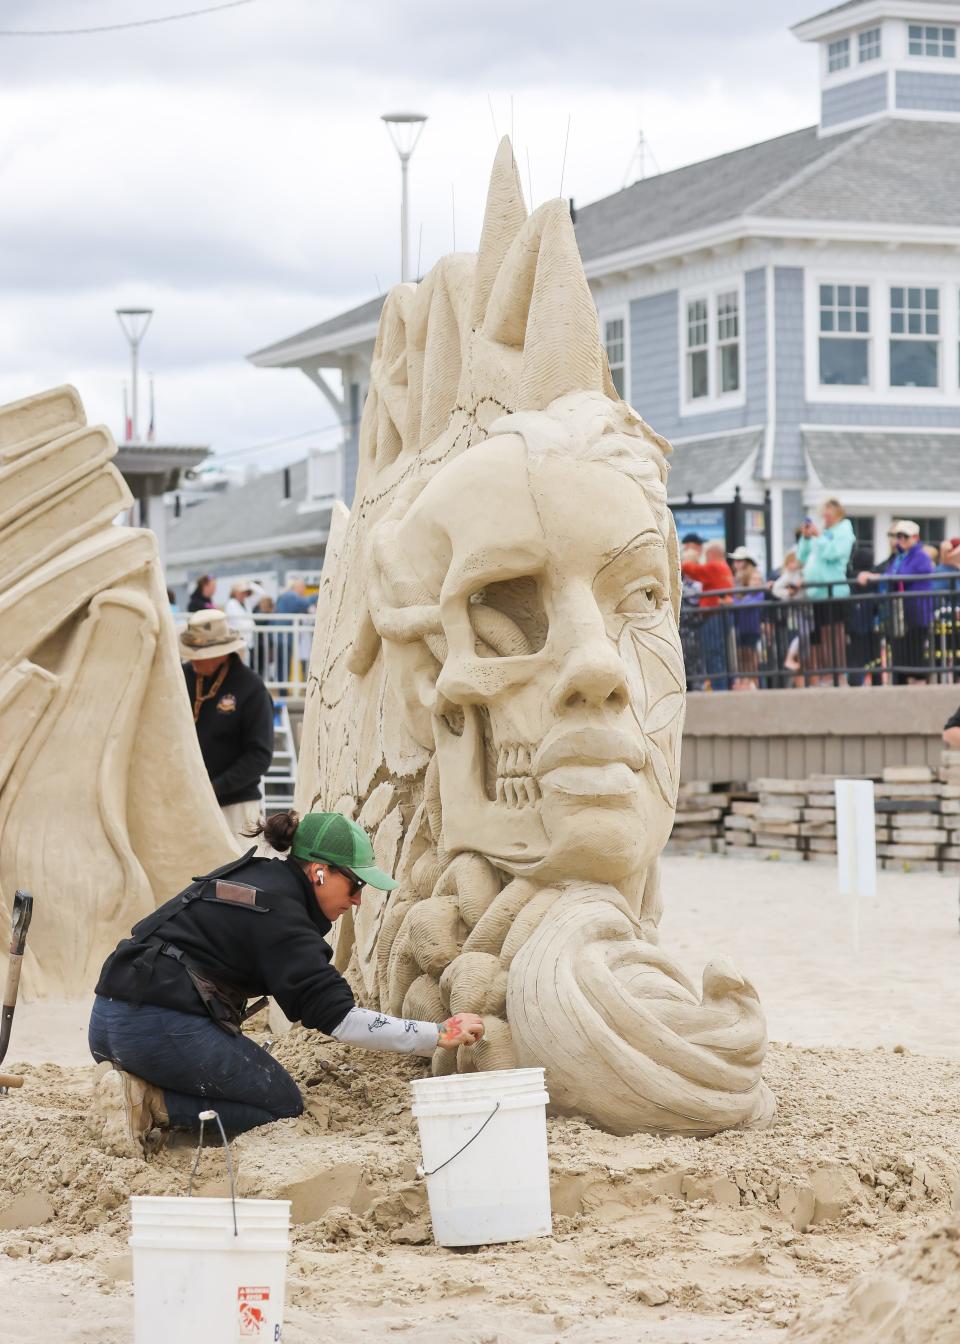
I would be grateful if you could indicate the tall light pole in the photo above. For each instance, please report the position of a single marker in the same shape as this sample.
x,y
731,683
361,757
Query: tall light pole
x,y
405,129
134,322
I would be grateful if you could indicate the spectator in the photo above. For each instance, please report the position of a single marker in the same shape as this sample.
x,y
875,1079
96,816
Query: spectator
x,y
266,640
863,627
793,634
237,611
789,582
948,565
825,556
201,599
293,601
747,618
912,614
233,713
706,564
172,599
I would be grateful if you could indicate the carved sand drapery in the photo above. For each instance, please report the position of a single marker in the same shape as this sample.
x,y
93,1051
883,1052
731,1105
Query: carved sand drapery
x,y
105,806
497,691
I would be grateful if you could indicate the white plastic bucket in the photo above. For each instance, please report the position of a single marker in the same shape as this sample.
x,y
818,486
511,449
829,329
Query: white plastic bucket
x,y
196,1282
484,1143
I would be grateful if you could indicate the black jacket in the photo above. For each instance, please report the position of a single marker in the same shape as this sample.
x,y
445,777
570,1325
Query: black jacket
x,y
271,944
235,730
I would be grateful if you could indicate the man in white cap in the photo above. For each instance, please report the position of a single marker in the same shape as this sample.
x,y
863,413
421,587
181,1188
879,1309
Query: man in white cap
x,y
233,713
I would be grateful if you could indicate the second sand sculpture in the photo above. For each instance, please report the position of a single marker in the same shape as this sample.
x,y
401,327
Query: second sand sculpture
x,y
497,694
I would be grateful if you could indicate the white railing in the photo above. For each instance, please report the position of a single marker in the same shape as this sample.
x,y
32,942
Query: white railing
x,y
278,648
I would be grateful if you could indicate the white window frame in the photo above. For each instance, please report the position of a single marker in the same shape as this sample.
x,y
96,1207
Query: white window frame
x,y
868,337
840,46
715,400
923,336
875,35
938,56
878,391
618,314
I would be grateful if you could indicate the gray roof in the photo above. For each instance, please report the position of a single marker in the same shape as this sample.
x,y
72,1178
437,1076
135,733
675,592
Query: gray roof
x,y
890,172
857,458
699,466
353,317
699,195
244,513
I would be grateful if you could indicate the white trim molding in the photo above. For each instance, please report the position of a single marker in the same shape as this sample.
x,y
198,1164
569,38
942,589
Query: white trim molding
x,y
617,312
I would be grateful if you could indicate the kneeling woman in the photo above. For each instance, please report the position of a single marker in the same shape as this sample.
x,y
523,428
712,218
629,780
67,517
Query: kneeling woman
x,y
171,998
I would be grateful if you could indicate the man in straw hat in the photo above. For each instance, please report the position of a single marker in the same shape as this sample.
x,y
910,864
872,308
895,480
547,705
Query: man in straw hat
x,y
233,713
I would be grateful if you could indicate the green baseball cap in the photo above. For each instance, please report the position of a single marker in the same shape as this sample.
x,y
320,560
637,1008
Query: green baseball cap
x,y
336,839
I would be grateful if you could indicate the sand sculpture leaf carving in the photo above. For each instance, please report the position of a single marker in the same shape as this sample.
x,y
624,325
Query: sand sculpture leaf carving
x,y
92,703
500,645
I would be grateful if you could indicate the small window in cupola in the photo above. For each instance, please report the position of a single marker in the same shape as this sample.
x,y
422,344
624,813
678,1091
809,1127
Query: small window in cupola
x,y
838,55
869,44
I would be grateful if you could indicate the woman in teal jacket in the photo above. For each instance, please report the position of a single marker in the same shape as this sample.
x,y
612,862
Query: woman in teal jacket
x,y
825,556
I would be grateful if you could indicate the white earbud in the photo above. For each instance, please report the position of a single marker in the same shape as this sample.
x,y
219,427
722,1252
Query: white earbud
x,y
320,877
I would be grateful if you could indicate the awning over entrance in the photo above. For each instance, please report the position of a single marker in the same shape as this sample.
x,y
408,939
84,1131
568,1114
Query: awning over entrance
x,y
702,467
889,460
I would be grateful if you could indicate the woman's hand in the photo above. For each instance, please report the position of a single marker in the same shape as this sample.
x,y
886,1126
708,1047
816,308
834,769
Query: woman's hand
x,y
461,1029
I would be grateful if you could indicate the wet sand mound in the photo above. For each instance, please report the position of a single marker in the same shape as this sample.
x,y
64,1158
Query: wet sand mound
x,y
753,1226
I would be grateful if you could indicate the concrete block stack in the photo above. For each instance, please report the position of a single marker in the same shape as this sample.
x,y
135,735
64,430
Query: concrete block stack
x,y
910,831
793,820
738,824
819,827
698,828
778,818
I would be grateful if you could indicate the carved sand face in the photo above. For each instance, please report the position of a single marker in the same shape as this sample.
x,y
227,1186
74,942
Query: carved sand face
x,y
557,711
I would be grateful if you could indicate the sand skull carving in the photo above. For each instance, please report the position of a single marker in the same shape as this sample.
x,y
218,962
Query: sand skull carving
x,y
497,693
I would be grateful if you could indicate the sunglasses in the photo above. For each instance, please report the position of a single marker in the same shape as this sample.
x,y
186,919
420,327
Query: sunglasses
x,y
902,536
358,883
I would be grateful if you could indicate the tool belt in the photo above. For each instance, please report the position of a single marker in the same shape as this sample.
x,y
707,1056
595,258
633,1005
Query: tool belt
x,y
223,1003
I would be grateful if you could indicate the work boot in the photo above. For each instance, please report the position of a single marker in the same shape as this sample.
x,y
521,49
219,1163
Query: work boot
x,y
125,1109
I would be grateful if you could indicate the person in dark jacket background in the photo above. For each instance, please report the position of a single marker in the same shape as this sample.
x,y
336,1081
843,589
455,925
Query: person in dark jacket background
x,y
233,712
166,1020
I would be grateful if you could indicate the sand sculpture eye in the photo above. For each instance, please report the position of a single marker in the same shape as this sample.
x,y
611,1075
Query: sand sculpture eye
x,y
644,600
509,618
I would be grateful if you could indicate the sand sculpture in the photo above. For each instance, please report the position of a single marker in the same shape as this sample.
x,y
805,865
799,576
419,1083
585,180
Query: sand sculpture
x,y
93,819
497,694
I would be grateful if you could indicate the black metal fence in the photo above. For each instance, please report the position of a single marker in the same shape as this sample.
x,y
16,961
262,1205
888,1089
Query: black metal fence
x,y
896,632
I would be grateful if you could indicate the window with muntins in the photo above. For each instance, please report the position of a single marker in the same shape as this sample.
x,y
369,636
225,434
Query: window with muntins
x,y
728,342
914,336
869,41
613,339
844,335
838,54
698,349
927,39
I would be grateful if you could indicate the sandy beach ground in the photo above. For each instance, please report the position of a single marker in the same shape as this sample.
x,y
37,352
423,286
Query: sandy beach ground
x,y
674,1241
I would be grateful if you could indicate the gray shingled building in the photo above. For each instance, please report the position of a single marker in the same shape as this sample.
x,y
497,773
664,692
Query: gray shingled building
x,y
788,314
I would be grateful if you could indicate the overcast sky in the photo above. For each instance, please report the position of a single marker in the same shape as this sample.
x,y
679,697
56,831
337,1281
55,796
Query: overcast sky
x,y
231,171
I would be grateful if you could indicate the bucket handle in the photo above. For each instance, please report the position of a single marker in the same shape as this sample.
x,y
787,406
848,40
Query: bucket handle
x,y
422,1172
203,1118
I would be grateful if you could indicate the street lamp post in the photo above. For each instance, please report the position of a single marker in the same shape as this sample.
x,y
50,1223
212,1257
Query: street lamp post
x,y
134,322
405,129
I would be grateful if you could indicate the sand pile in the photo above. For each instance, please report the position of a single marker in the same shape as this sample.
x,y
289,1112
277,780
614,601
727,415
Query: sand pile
x,y
913,1298
750,1227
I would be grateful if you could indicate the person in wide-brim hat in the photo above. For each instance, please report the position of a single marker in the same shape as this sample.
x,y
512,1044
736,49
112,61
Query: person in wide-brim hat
x,y
208,634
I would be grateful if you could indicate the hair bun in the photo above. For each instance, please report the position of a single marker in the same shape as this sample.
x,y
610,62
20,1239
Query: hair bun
x,y
280,828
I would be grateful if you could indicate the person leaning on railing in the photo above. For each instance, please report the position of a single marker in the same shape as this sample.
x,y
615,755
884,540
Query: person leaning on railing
x,y
909,617
825,555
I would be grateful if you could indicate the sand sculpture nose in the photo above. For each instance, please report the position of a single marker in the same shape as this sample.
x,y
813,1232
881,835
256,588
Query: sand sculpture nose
x,y
594,678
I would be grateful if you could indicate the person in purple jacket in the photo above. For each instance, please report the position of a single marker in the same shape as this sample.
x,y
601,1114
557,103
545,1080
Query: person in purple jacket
x,y
910,616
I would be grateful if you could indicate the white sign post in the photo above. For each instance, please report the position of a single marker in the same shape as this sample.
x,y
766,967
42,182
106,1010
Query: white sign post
x,y
856,845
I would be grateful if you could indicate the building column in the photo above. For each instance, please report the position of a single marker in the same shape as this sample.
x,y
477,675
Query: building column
x,y
153,515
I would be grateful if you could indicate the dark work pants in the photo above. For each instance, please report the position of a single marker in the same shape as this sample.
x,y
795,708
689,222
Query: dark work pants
x,y
196,1064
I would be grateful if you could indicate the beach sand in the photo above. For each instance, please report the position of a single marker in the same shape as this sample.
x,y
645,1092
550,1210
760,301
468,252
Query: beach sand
x,y
741,1237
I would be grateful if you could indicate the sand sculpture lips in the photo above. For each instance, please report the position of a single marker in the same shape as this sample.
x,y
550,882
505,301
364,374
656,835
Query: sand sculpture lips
x,y
589,762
